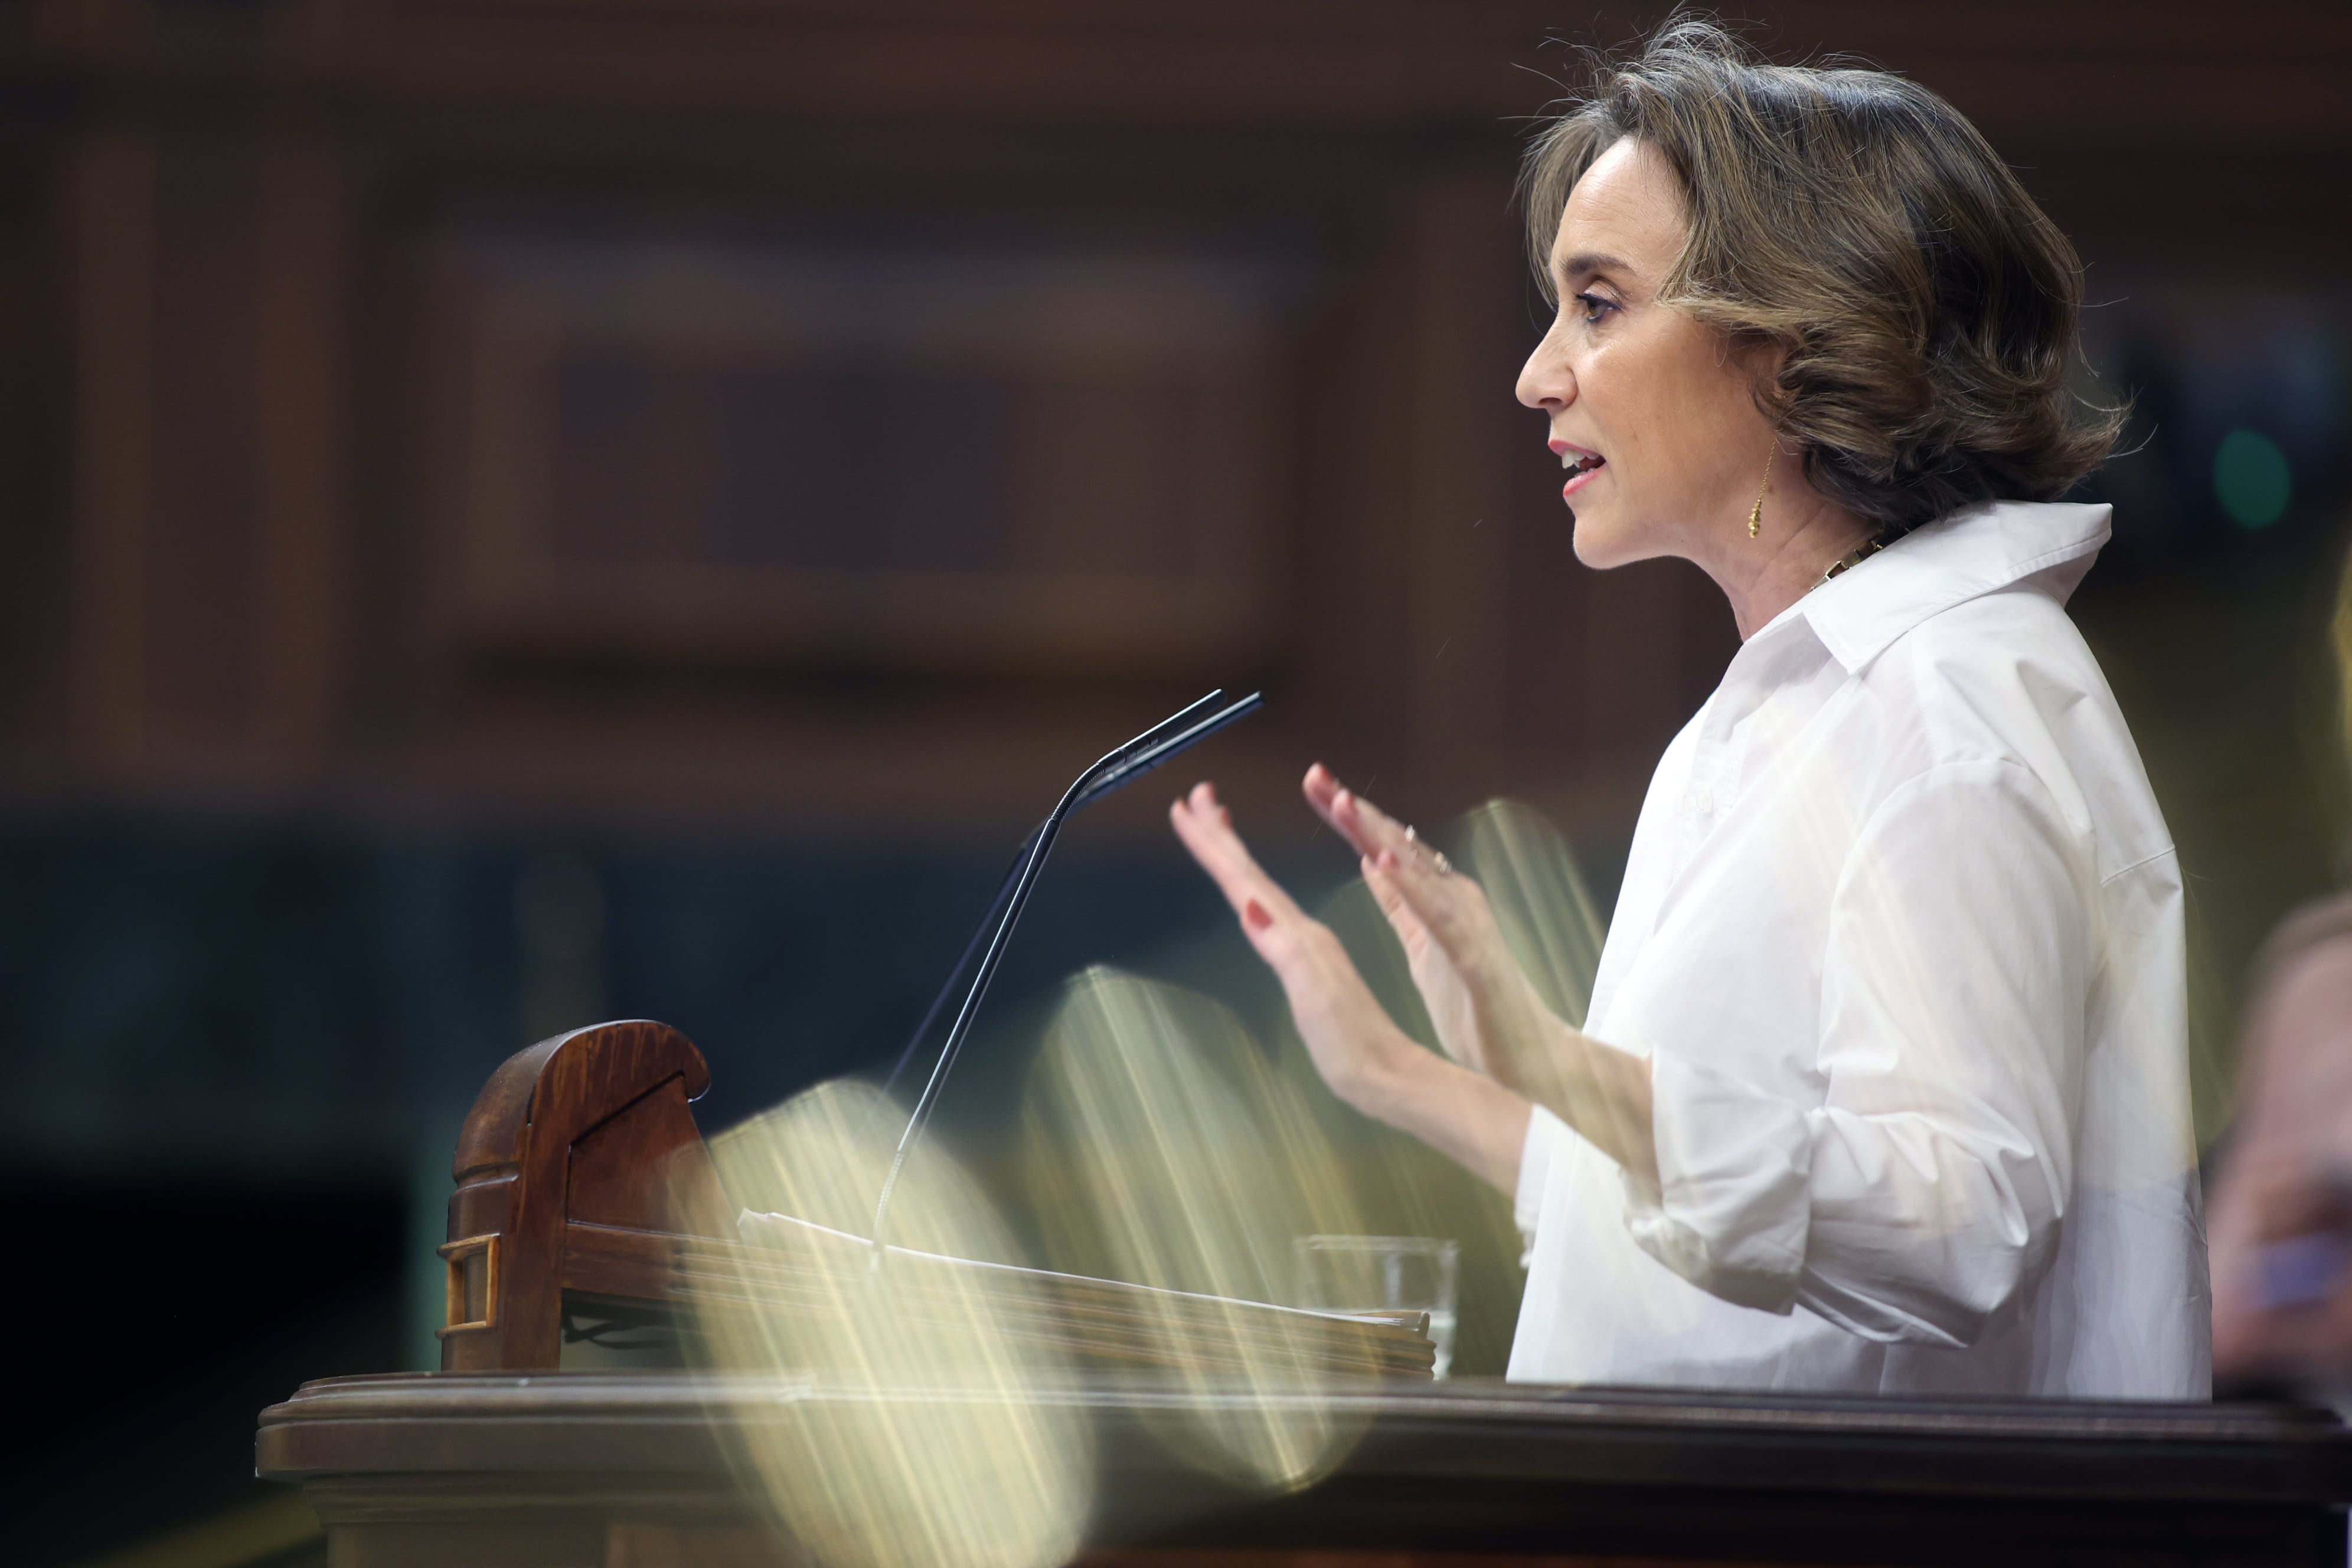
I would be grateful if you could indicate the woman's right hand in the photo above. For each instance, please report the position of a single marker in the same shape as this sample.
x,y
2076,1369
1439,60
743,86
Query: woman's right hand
x,y
1356,1046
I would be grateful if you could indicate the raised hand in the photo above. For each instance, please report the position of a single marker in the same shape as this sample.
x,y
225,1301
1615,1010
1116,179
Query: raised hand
x,y
1343,1025
1487,1015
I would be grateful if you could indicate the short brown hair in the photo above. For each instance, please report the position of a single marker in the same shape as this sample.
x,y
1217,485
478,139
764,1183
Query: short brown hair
x,y
1927,306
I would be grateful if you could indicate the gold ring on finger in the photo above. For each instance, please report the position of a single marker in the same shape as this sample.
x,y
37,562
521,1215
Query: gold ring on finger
x,y
1444,867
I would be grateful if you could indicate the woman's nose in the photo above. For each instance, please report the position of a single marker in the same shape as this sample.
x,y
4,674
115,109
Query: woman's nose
x,y
1545,381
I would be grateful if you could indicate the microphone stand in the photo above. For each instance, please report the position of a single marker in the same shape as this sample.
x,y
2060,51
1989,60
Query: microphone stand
x,y
1003,893
947,986
1102,787
1177,732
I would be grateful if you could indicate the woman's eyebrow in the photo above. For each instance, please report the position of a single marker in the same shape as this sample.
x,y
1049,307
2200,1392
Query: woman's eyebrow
x,y
1586,263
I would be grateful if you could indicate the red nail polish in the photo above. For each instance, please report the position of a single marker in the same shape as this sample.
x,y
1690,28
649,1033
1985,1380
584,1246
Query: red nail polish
x,y
1254,916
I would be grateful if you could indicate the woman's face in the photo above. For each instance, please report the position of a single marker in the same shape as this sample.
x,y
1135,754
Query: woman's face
x,y
1652,412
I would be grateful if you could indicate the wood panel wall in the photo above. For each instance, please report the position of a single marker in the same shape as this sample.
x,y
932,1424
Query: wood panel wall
x,y
789,412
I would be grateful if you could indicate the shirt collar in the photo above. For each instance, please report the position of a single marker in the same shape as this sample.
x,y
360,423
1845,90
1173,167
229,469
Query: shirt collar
x,y
1978,550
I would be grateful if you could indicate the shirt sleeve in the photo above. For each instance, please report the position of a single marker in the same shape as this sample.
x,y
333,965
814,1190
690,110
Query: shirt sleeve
x,y
1923,1190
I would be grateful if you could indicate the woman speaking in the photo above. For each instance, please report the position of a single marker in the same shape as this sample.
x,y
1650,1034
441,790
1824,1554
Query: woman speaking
x,y
1882,1086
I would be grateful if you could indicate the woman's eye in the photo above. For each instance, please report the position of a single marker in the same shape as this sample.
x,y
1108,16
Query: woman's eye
x,y
1592,307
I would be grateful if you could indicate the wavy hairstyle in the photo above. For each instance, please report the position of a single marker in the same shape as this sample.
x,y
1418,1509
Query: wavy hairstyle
x,y
1926,305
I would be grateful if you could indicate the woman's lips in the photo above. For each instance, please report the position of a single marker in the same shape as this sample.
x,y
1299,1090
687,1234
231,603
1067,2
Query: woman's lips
x,y
1585,466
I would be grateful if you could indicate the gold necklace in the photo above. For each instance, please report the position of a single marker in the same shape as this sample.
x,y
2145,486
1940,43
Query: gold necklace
x,y
1850,560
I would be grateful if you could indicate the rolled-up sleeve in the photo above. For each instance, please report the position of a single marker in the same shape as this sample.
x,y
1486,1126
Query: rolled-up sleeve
x,y
1921,1189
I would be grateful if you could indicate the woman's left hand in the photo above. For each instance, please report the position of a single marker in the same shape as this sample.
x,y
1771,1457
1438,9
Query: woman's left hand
x,y
1487,1012
1488,1015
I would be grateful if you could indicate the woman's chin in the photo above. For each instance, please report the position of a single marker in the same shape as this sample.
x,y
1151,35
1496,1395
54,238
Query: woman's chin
x,y
1602,541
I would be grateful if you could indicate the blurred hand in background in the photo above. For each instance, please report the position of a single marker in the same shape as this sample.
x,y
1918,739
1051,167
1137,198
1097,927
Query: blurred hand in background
x,y
2281,1218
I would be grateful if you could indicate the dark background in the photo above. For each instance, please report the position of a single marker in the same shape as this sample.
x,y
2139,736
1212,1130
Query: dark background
x,y
520,511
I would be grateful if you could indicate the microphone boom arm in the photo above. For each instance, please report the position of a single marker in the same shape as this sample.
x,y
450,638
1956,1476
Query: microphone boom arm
x,y
1177,732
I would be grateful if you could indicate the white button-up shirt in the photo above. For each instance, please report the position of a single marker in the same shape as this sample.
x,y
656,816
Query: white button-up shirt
x,y
1901,936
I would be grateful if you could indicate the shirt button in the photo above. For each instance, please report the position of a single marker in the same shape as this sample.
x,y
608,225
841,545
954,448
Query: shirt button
x,y
1699,802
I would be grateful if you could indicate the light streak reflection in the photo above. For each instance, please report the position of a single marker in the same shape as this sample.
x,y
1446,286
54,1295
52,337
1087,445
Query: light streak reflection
x,y
1549,922
1163,1148
932,1443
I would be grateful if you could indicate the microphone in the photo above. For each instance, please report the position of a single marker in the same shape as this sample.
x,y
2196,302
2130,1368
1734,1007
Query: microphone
x,y
1177,732
1142,761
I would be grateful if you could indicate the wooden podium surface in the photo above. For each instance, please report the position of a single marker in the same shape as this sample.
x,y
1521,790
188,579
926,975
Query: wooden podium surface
x,y
629,1470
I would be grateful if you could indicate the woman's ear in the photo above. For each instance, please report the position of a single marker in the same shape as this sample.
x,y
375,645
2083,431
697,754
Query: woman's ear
x,y
1764,359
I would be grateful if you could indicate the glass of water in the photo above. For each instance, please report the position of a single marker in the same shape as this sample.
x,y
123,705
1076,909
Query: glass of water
x,y
1384,1274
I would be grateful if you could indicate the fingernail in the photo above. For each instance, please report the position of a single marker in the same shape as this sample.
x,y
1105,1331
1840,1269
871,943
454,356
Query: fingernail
x,y
1254,916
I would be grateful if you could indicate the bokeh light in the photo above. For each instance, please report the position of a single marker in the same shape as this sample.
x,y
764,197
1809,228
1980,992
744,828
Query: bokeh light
x,y
923,1439
2251,479
1163,1148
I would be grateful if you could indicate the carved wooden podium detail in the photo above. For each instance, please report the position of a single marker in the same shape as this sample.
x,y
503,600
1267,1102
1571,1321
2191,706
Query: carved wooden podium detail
x,y
585,1132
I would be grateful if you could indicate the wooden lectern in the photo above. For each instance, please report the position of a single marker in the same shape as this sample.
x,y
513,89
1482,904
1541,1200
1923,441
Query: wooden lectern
x,y
585,1188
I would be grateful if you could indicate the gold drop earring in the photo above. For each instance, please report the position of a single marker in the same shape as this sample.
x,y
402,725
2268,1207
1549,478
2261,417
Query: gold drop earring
x,y
1756,512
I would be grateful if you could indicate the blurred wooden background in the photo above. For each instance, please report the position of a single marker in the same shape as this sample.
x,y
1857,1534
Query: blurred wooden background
x,y
786,412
